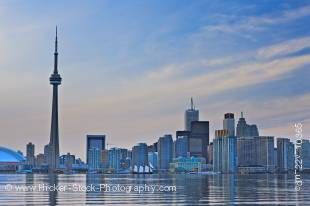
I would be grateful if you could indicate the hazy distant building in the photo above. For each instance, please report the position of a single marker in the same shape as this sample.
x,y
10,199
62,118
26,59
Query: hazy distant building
x,y
104,159
224,152
67,161
199,139
94,146
229,123
30,155
285,155
165,152
191,115
40,160
246,130
46,154
210,153
140,155
181,147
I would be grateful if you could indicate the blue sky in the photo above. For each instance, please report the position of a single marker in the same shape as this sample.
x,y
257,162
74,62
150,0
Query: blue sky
x,y
130,67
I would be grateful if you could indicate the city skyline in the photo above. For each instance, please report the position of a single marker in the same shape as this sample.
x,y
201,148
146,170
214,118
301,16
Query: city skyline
x,y
157,96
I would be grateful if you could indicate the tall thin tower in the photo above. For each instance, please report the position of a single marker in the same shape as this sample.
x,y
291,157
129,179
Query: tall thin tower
x,y
55,80
191,115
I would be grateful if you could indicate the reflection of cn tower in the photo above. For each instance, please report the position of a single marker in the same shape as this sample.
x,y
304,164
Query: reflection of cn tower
x,y
55,80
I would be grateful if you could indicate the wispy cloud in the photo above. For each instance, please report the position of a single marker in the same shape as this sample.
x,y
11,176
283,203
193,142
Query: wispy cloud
x,y
258,23
284,48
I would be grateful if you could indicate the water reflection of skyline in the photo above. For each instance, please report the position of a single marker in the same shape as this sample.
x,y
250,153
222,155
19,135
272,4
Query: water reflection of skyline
x,y
191,190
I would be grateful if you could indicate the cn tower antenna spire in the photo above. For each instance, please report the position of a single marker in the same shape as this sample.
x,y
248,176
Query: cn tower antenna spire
x,y
192,104
56,54
56,42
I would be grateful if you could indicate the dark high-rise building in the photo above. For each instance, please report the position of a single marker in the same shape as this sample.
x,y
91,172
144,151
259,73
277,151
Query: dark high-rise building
x,y
246,130
184,136
53,147
181,146
140,155
165,152
30,154
285,155
95,141
305,154
95,146
199,139
152,147
184,133
191,115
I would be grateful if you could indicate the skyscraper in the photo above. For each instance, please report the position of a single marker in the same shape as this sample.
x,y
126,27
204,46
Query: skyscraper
x,y
46,154
181,146
95,141
246,130
224,152
153,160
30,154
191,115
40,160
105,159
264,152
115,157
305,154
95,146
139,155
229,123
199,139
165,152
53,147
210,153
67,161
183,133
285,155
246,151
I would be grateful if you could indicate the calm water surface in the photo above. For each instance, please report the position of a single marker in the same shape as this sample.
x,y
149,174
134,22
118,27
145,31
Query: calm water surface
x,y
185,190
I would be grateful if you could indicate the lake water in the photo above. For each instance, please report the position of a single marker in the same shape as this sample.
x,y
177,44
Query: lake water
x,y
190,189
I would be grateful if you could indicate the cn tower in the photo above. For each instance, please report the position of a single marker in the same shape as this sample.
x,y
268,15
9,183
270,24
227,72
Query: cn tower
x,y
55,80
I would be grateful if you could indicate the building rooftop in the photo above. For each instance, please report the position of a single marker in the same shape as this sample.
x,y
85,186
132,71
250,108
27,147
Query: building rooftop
x,y
8,155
